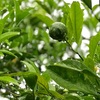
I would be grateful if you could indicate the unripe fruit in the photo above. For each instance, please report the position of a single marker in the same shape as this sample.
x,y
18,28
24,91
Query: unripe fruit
x,y
58,31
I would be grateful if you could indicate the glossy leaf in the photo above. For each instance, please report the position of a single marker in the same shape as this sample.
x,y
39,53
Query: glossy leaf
x,y
76,16
7,35
74,75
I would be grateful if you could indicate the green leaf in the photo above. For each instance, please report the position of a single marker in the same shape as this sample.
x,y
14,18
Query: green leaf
x,y
74,75
89,97
88,3
93,44
20,14
43,16
30,33
46,19
31,80
32,68
29,96
56,94
7,52
72,97
33,64
76,15
8,80
46,76
2,23
7,35
43,6
42,82
70,29
87,61
29,66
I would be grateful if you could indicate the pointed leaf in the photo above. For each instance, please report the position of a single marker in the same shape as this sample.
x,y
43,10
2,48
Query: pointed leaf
x,y
33,64
2,23
8,80
7,52
76,15
20,14
29,66
7,35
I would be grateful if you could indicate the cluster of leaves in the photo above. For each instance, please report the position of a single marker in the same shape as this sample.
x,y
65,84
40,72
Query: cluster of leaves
x,y
26,50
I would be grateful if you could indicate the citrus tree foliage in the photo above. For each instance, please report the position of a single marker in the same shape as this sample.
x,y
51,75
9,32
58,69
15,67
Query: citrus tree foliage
x,y
35,66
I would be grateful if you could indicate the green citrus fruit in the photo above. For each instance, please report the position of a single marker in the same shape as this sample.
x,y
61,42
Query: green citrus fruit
x,y
58,31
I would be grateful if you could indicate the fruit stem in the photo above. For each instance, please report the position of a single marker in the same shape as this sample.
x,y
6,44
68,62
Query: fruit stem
x,y
74,50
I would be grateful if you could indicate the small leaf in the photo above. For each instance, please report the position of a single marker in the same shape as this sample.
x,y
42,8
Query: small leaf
x,y
93,44
8,80
88,3
20,14
76,15
7,35
2,23
7,52
29,66
33,64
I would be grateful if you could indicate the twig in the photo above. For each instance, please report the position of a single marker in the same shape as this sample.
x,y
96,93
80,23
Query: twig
x,y
74,50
